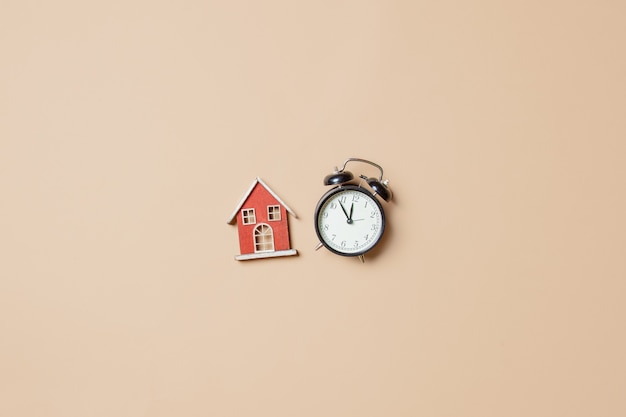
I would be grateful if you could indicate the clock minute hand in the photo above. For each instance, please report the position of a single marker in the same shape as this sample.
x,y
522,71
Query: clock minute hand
x,y
351,210
345,212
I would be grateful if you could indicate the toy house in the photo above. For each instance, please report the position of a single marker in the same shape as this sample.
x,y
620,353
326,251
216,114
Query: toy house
x,y
262,223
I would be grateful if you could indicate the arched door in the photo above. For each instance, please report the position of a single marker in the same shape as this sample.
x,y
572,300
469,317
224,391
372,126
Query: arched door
x,y
263,238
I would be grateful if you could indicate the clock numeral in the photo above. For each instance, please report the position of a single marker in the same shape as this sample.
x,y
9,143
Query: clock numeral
x,y
325,215
343,199
343,243
333,237
372,214
374,227
325,227
355,197
333,205
367,237
365,206
356,243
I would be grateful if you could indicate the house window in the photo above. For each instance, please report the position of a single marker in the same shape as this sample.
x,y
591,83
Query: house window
x,y
248,216
273,213
263,238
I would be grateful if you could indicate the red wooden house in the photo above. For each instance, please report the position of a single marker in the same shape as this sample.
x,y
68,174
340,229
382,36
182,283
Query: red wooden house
x,y
262,223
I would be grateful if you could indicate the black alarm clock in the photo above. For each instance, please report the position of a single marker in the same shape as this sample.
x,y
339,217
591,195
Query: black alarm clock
x,y
349,219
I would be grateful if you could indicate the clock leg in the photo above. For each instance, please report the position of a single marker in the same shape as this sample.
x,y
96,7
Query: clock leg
x,y
319,245
362,258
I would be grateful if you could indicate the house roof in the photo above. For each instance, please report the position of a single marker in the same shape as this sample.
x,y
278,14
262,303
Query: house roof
x,y
247,194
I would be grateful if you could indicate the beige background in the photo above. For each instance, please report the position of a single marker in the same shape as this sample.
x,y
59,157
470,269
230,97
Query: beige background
x,y
130,129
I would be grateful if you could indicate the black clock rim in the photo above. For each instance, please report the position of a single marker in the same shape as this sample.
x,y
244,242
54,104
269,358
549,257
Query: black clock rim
x,y
334,191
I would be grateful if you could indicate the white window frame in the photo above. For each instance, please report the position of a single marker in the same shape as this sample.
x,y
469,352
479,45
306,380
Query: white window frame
x,y
273,216
248,216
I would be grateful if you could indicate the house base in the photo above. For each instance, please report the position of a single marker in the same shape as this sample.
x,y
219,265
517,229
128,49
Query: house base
x,y
274,254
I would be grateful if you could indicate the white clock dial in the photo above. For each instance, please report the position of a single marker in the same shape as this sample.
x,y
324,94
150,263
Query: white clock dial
x,y
349,221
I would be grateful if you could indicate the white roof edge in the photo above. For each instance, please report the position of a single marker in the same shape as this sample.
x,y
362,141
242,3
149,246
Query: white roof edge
x,y
247,194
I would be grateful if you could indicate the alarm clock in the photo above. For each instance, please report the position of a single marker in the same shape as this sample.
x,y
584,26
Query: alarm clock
x,y
349,218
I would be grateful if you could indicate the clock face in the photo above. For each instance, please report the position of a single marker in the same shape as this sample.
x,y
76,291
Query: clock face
x,y
349,221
